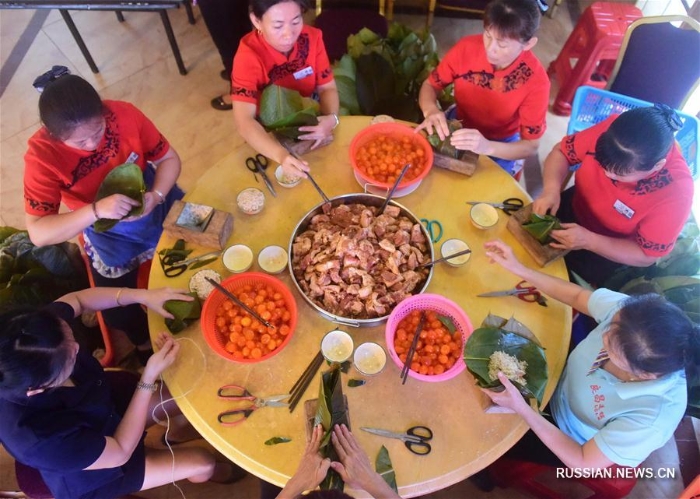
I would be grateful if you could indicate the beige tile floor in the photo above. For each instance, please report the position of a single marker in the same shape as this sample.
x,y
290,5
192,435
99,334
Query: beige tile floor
x,y
136,65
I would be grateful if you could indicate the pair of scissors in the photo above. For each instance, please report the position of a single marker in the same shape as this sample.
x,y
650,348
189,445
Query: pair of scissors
x,y
434,228
258,164
247,404
522,290
415,439
509,206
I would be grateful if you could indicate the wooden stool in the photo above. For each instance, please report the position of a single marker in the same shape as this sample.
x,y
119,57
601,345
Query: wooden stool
x,y
589,54
522,475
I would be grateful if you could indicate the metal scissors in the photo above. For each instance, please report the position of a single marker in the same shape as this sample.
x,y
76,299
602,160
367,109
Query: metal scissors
x,y
509,206
434,228
522,290
247,404
415,439
258,164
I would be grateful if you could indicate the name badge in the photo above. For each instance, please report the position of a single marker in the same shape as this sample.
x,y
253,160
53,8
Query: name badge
x,y
132,158
303,73
623,209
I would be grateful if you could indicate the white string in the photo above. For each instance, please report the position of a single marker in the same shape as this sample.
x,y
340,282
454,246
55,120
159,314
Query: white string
x,y
166,423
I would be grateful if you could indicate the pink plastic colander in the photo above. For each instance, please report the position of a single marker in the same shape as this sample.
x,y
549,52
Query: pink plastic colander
x,y
442,306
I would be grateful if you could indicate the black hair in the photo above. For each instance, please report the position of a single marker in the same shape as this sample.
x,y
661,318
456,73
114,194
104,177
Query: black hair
x,y
657,337
637,140
67,103
259,7
33,351
514,19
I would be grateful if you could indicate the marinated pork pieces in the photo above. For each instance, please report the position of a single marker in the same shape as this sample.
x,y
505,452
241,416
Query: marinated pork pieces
x,y
354,263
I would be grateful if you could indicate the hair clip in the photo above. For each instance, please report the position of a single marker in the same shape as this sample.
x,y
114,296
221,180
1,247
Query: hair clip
x,y
674,121
51,75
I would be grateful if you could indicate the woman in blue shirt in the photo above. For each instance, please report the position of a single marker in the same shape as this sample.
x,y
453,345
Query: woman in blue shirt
x,y
59,415
623,390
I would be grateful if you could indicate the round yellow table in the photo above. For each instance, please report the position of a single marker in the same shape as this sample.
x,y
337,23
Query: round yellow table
x,y
466,438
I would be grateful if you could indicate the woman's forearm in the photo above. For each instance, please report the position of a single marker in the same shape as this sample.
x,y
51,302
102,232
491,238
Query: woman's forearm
x,y
619,250
103,298
256,136
60,227
564,291
168,170
514,150
328,98
556,167
427,99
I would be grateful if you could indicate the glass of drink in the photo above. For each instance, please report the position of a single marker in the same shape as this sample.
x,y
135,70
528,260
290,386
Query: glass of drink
x,y
337,346
369,359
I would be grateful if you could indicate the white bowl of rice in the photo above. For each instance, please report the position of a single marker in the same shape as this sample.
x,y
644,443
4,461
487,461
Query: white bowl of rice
x,y
200,285
251,200
284,179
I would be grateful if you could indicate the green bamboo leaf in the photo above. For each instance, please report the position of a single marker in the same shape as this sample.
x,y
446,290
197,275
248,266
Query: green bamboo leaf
x,y
277,440
331,411
353,383
126,179
540,226
385,469
447,321
184,312
486,340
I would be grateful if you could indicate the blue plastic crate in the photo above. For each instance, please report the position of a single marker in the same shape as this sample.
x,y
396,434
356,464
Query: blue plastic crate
x,y
592,105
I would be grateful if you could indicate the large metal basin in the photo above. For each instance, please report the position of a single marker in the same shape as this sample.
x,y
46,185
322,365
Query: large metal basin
x,y
367,200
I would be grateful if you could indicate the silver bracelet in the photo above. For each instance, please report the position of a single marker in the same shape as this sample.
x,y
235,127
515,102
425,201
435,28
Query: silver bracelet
x,y
160,195
149,387
337,120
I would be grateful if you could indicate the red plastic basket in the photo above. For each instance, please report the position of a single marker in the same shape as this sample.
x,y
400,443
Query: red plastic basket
x,y
216,340
442,306
395,130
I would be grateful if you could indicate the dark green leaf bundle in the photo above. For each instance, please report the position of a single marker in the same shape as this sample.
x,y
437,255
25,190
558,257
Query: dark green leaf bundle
x,y
445,147
513,338
540,226
331,411
277,440
184,312
283,111
125,179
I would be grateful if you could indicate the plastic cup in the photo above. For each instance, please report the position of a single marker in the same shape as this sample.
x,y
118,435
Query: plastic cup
x,y
272,259
238,258
337,346
484,216
452,246
369,359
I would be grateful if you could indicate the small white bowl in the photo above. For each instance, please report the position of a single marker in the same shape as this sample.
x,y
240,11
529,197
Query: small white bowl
x,y
337,346
285,180
238,258
369,359
251,200
272,259
452,246
484,216
199,284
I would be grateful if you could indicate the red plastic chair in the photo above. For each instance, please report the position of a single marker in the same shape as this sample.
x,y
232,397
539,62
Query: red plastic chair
x,y
594,45
524,475
142,283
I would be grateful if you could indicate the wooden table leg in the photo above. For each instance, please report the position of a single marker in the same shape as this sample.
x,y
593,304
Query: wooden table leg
x,y
79,40
173,43
190,14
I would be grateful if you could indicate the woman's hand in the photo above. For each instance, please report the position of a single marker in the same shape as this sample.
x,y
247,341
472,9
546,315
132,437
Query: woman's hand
x,y
318,133
571,237
469,139
155,298
547,202
150,201
116,206
435,121
502,254
162,359
294,167
509,398
312,468
354,468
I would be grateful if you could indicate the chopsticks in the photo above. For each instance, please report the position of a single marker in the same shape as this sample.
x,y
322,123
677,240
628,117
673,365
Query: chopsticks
x,y
448,257
304,380
323,194
239,302
412,350
308,174
393,188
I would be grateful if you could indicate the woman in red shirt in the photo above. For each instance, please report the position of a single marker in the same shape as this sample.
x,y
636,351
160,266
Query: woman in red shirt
x,y
501,89
284,52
